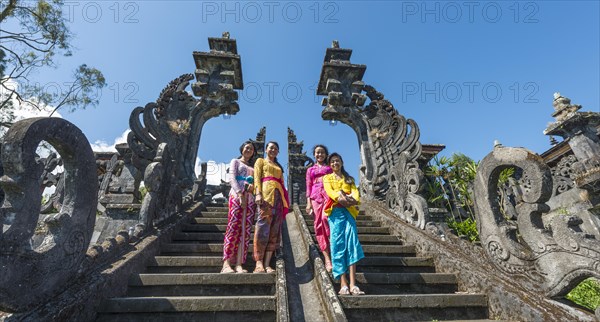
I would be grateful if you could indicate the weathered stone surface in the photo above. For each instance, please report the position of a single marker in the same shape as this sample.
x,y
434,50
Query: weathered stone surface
x,y
579,129
388,142
547,254
298,163
508,297
45,270
177,118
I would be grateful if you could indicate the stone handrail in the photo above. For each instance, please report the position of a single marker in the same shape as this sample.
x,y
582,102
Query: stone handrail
x,y
546,253
327,291
46,269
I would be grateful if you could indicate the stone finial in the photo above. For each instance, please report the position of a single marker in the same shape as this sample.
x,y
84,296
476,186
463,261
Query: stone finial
x,y
497,143
226,34
563,107
335,44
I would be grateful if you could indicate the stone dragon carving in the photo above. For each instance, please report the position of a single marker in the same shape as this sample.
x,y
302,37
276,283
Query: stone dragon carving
x,y
547,253
176,119
46,269
388,142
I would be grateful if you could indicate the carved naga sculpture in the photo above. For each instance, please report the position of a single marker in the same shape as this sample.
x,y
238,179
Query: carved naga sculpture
x,y
389,143
177,118
46,269
549,253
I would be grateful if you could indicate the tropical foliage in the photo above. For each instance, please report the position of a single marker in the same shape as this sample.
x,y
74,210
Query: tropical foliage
x,y
586,294
450,185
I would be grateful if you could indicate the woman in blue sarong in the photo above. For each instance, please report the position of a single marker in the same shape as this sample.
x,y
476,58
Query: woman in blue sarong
x,y
341,210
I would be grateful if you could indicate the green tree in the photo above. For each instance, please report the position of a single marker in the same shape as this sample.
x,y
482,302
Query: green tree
x,y
32,34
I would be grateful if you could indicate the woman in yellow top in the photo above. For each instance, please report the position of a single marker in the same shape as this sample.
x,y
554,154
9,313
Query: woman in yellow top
x,y
341,210
272,199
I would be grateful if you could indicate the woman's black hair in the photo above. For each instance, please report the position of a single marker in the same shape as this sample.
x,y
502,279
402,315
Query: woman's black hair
x,y
277,145
324,148
347,177
242,149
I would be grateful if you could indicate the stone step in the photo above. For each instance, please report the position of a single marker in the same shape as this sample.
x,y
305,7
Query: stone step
x,y
380,239
406,283
397,264
212,304
359,223
201,279
362,230
201,284
373,239
414,307
192,264
182,248
401,250
359,218
212,214
216,209
246,316
203,228
210,221
199,236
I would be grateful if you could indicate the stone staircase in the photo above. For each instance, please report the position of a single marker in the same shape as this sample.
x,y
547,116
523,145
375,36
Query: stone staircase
x,y
401,286
184,283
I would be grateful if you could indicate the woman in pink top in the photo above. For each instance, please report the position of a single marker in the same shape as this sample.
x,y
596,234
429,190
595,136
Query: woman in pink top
x,y
316,197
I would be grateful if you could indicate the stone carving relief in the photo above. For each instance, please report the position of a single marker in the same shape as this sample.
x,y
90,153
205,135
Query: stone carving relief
x,y
298,163
549,252
175,121
47,268
563,175
388,142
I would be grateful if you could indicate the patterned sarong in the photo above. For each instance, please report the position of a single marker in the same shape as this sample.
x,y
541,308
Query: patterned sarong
x,y
238,229
345,246
267,234
321,225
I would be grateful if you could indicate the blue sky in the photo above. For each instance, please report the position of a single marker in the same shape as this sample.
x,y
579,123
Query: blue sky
x,y
467,72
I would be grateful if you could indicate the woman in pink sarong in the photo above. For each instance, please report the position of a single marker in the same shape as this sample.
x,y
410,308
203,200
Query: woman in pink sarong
x,y
241,211
316,197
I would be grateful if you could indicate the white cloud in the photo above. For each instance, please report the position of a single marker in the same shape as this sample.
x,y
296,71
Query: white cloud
x,y
103,146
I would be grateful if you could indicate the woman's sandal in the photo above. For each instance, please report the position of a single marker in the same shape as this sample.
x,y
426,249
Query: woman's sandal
x,y
227,270
259,270
356,291
344,291
239,270
269,270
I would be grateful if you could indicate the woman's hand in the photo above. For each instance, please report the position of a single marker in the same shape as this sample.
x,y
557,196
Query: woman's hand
x,y
343,200
351,201
309,209
258,200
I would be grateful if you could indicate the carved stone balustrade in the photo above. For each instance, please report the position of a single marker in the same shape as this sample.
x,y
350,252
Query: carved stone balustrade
x,y
175,121
389,143
544,252
46,269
